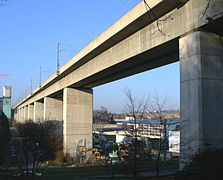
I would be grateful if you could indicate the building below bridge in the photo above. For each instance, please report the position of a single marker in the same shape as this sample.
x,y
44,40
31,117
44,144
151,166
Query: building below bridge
x,y
149,131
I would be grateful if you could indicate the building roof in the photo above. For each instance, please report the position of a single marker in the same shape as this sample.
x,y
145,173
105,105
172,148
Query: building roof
x,y
149,121
171,124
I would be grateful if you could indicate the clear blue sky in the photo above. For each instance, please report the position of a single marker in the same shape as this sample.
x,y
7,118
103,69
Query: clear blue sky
x,y
31,29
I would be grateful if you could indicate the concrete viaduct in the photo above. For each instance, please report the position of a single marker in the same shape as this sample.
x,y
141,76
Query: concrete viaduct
x,y
189,31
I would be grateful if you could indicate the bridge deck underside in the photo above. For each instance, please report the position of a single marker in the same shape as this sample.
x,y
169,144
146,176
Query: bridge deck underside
x,y
164,54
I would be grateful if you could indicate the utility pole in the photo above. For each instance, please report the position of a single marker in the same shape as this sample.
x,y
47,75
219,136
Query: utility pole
x,y
41,71
23,94
25,91
65,47
40,76
31,86
58,58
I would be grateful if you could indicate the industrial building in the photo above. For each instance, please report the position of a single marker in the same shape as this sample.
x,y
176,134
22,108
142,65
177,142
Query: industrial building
x,y
5,101
150,131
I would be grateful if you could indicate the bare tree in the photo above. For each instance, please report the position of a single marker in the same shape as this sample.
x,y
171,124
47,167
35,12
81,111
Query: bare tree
x,y
159,111
135,107
37,142
5,136
102,116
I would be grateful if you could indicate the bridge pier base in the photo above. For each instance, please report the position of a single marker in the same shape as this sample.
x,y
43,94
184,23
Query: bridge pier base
x,y
201,84
77,116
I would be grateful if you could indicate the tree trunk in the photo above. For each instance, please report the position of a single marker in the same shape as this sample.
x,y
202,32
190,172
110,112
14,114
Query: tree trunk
x,y
158,158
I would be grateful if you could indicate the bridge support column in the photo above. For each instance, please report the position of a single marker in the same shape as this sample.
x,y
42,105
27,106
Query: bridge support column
x,y
77,116
25,118
201,96
38,111
53,109
15,114
21,116
30,112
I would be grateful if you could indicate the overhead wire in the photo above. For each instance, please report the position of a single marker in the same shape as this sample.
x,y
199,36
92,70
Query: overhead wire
x,y
150,10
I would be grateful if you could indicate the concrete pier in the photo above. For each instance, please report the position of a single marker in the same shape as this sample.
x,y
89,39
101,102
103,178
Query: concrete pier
x,y
201,92
21,112
38,111
53,109
77,116
30,111
25,113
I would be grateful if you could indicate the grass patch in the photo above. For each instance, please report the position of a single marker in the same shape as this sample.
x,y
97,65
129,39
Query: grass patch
x,y
77,172
91,172
59,173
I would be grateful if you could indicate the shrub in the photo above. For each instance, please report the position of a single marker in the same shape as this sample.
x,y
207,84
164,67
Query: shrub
x,y
37,142
5,136
206,165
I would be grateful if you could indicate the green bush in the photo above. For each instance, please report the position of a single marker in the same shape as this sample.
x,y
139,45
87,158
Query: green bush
x,y
206,165
5,136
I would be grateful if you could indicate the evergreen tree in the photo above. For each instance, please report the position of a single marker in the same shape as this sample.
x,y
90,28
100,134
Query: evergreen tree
x,y
38,141
5,136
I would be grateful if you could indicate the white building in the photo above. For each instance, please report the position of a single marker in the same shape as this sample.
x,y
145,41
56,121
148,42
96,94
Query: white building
x,y
174,142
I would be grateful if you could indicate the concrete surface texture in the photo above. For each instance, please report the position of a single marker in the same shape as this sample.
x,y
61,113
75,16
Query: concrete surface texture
x,y
38,111
136,43
52,109
78,117
201,81
30,111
